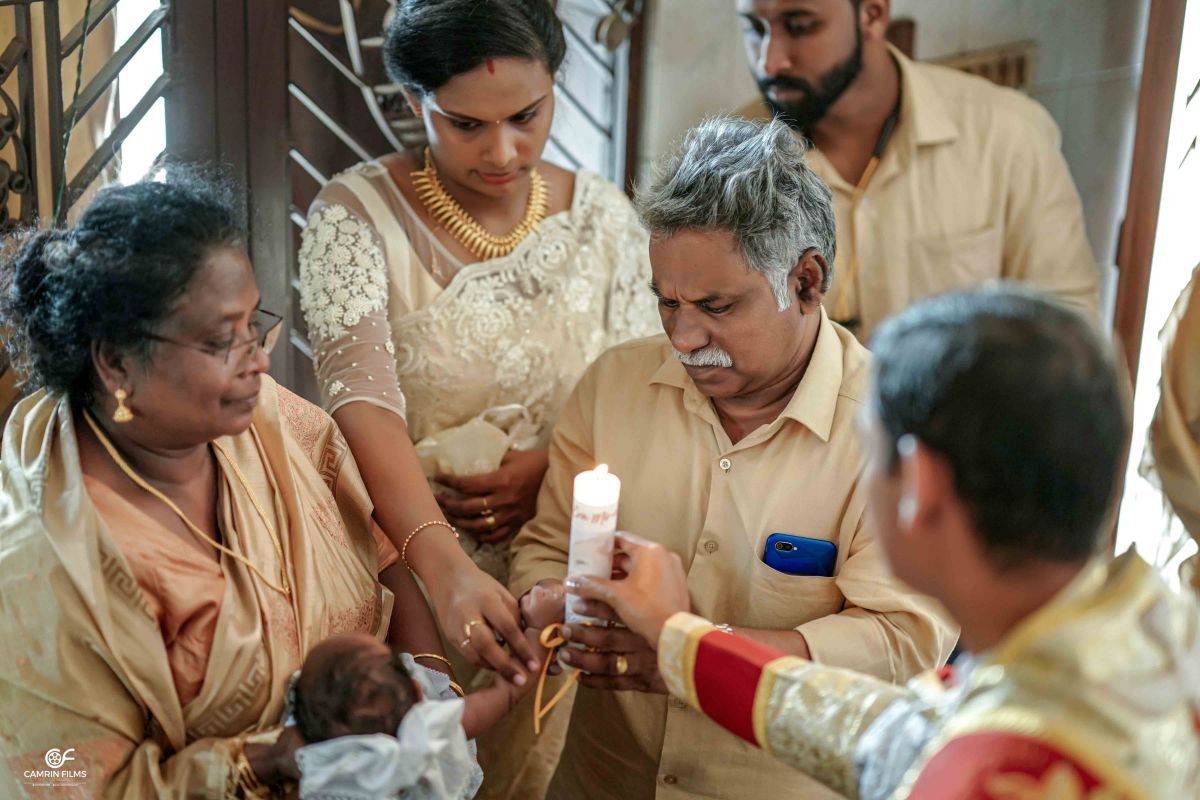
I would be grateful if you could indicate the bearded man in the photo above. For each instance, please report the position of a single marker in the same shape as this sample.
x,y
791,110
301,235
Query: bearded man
x,y
941,180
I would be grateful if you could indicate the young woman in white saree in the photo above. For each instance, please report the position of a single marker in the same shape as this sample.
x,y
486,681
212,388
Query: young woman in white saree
x,y
472,277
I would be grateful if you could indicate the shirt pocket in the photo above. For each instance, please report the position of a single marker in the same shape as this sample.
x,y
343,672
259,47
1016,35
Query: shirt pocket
x,y
943,263
779,601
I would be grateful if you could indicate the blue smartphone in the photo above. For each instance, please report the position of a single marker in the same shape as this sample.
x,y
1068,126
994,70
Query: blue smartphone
x,y
799,555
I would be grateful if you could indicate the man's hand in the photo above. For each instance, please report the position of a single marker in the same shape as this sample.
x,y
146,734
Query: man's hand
x,y
616,657
652,589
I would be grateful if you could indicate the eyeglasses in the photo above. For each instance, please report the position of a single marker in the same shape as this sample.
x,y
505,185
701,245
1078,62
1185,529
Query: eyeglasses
x,y
265,325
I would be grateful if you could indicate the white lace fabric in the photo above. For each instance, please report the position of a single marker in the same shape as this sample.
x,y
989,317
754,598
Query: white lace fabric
x,y
395,320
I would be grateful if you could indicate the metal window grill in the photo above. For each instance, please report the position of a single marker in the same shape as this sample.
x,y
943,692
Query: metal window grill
x,y
33,148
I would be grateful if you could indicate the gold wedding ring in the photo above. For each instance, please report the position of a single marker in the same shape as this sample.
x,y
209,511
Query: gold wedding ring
x,y
490,521
468,626
622,665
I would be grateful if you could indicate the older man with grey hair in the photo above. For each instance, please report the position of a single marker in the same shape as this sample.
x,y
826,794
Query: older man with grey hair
x,y
752,391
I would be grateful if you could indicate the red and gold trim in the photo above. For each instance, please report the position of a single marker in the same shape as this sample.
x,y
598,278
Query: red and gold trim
x,y
729,678
1008,766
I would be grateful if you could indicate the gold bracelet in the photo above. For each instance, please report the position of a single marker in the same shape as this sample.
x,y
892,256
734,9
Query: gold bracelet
x,y
436,657
418,529
458,690
244,777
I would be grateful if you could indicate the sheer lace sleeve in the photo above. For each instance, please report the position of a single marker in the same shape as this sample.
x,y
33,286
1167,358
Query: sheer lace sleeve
x,y
344,295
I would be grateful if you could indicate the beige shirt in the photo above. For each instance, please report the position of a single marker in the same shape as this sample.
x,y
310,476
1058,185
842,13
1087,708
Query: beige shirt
x,y
683,483
971,188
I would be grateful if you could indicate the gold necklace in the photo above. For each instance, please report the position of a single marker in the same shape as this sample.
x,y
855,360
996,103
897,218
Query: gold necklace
x,y
455,220
282,587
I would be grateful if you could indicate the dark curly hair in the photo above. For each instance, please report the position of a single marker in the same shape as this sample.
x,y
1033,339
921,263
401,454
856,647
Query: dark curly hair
x,y
359,695
430,41
113,277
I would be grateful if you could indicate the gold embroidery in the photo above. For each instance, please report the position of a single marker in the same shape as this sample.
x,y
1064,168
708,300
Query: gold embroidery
x,y
1060,782
329,520
306,421
125,585
221,720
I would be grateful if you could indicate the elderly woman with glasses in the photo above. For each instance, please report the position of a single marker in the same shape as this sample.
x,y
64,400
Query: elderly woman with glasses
x,y
176,531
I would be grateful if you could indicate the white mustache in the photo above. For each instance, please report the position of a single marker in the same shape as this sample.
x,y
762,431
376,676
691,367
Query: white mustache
x,y
711,356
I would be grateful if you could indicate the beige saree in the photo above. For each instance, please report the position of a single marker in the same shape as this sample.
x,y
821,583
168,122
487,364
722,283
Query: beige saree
x,y
86,671
1175,431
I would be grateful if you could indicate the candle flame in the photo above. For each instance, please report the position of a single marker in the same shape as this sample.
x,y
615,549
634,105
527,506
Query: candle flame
x,y
602,468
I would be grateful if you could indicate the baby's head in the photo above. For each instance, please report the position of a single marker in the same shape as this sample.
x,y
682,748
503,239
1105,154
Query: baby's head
x,y
352,684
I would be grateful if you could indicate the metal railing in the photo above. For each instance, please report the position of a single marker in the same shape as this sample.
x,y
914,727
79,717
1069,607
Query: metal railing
x,y
19,124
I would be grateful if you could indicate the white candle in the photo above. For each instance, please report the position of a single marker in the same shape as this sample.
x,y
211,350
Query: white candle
x,y
593,523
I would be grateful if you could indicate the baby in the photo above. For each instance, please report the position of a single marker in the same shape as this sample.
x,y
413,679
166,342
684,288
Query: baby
x,y
355,685
379,725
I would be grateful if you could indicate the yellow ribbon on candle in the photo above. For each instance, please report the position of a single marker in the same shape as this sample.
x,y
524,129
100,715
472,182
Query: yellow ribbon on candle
x,y
551,638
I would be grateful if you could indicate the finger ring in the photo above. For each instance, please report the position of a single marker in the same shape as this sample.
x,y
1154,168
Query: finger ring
x,y
462,645
468,626
487,511
490,521
622,665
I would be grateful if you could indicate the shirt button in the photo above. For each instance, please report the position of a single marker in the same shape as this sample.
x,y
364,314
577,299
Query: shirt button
x,y
711,547
670,780
725,464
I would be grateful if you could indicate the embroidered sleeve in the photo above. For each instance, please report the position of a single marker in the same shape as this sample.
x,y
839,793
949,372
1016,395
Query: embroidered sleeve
x,y
806,715
343,294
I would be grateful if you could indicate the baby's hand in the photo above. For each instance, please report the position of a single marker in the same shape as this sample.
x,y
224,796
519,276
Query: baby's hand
x,y
543,605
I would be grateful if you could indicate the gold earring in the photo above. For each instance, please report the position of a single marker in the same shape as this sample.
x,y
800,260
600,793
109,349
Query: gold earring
x,y
122,414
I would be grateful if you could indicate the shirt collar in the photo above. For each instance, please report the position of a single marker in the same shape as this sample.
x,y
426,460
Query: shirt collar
x,y
922,108
815,401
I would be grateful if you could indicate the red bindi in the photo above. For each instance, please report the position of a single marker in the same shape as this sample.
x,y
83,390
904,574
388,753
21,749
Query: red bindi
x,y
491,65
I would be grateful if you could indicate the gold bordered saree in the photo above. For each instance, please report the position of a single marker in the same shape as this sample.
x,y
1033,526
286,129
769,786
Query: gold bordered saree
x,y
85,680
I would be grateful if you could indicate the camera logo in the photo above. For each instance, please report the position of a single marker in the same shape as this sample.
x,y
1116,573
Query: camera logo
x,y
56,758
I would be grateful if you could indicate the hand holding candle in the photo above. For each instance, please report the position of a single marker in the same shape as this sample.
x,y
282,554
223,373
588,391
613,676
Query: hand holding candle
x,y
593,525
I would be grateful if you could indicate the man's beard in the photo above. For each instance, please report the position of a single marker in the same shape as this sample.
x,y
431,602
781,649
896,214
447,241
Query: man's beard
x,y
804,114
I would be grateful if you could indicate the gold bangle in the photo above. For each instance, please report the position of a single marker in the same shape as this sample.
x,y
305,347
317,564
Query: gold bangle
x,y
458,690
418,529
244,777
436,657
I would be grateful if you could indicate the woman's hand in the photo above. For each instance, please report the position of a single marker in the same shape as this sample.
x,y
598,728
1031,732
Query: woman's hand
x,y
473,609
653,589
500,502
276,762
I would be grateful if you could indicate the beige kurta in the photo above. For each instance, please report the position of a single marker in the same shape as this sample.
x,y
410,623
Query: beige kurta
x,y
714,503
87,664
971,188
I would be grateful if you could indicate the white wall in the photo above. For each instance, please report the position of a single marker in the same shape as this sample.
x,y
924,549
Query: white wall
x,y
1087,72
694,66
